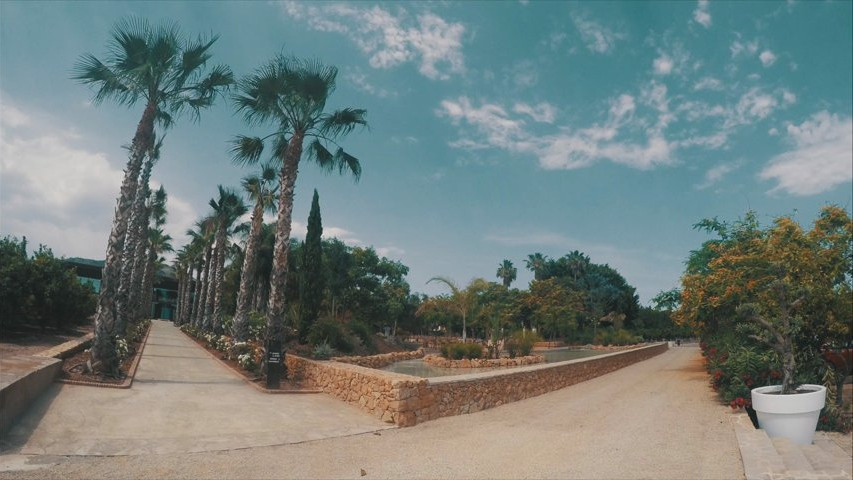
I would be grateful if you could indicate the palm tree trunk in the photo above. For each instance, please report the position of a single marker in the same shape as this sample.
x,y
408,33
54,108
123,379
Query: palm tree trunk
x,y
133,257
207,317
147,295
104,355
185,297
241,315
278,279
199,319
194,318
221,239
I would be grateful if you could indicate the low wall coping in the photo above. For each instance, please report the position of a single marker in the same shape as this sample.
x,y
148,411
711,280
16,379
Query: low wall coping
x,y
530,368
373,372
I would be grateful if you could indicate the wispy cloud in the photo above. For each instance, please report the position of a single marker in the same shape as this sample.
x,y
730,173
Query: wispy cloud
x,y
820,159
767,58
388,39
717,173
567,148
359,79
596,37
701,15
708,83
542,112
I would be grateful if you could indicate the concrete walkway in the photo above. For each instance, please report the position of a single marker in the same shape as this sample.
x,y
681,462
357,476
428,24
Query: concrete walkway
x,y
657,419
181,401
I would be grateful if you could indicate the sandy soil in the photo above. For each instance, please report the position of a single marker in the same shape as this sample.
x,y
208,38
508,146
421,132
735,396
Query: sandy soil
x,y
657,419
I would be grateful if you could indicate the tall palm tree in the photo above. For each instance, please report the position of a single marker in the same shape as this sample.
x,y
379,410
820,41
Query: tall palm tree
x,y
154,211
535,262
205,237
167,73
463,302
507,272
226,210
578,264
261,190
291,94
158,243
135,246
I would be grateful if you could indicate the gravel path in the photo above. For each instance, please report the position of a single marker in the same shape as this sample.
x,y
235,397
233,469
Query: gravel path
x,y
657,419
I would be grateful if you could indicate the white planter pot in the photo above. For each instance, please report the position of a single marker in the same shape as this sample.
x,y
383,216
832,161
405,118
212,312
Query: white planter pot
x,y
792,416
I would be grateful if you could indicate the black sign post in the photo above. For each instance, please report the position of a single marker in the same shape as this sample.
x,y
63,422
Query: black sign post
x,y
275,358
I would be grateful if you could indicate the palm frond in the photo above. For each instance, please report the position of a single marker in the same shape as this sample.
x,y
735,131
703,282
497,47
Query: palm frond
x,y
91,71
342,122
246,150
347,163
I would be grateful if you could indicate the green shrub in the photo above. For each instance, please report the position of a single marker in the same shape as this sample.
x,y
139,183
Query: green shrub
x,y
521,343
257,325
327,330
362,331
323,351
40,291
458,350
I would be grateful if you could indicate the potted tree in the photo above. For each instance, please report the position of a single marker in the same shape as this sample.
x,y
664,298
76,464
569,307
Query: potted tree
x,y
784,287
787,410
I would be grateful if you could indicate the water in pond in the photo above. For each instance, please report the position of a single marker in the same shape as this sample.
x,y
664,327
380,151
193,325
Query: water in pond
x,y
418,368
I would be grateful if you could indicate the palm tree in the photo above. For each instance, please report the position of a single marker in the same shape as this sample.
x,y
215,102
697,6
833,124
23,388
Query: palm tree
x,y
205,238
226,211
536,263
134,255
507,272
463,302
154,210
291,94
166,72
158,243
262,190
578,264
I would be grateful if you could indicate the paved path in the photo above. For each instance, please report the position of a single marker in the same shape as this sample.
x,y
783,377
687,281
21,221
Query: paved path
x,y
182,400
656,419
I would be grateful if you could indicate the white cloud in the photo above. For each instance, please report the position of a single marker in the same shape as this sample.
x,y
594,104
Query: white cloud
x,y
568,148
542,112
773,132
701,15
11,117
767,58
822,157
390,40
596,37
788,97
716,173
663,65
54,192
738,48
359,79
391,252
708,83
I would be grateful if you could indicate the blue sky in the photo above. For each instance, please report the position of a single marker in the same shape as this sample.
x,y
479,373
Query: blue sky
x,y
497,129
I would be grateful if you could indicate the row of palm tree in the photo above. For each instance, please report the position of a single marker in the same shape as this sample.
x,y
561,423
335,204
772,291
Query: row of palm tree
x,y
157,66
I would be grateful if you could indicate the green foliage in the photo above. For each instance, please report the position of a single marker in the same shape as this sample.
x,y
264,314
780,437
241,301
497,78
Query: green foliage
x,y
363,332
521,343
41,291
327,330
311,274
323,351
458,350
616,337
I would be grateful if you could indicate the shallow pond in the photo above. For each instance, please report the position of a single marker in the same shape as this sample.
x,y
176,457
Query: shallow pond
x,y
418,368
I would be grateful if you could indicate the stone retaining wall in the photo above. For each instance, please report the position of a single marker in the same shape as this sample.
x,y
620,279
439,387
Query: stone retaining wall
x,y
380,360
406,400
439,361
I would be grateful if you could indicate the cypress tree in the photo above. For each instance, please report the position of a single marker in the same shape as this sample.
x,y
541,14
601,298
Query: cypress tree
x,y
311,273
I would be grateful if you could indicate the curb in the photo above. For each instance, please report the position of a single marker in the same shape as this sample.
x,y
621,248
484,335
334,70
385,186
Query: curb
x,y
244,378
131,373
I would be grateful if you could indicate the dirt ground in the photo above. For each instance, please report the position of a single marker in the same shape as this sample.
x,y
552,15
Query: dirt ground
x,y
32,341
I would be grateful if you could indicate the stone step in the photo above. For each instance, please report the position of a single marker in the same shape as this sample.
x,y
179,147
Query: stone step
x,y
760,459
824,462
792,456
